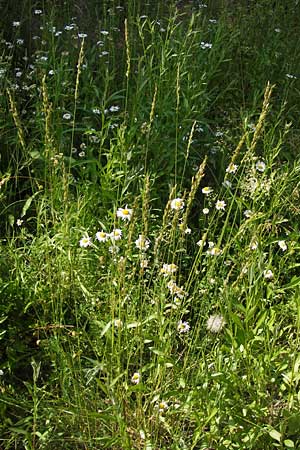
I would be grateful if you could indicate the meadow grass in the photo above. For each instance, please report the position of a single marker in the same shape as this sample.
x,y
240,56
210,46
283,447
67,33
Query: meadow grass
x,y
150,226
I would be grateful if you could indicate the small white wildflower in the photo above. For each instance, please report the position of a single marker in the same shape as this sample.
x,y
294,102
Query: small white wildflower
x,y
114,108
124,213
215,323
16,24
168,269
101,236
207,190
220,205
232,168
268,274
248,213
205,211
175,290
277,30
260,166
19,222
282,245
187,230
254,245
136,378
67,116
113,249
201,243
104,32
82,35
211,244
116,234
118,323
215,251
144,263
96,111
37,12
85,241
20,41
288,75
205,45
183,327
81,154
142,243
227,184
162,406
177,204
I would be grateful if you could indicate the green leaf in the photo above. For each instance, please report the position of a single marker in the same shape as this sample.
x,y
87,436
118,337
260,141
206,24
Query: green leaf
x,y
27,204
288,443
275,435
105,329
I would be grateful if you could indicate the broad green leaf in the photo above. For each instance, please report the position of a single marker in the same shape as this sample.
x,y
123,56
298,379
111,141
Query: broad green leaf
x,y
275,435
288,443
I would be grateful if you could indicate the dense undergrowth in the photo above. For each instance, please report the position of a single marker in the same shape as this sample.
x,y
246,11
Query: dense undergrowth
x,y
149,287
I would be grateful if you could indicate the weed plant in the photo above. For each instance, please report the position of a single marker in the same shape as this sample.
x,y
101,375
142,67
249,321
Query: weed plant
x,y
149,283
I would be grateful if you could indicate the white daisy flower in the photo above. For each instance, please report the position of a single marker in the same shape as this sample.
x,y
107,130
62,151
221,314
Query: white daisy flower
x,y
85,241
248,213
254,245
220,205
162,406
19,222
260,166
207,190
268,274
232,168
136,378
124,213
116,234
101,236
214,251
205,211
215,323
282,245
67,116
142,243
183,327
177,204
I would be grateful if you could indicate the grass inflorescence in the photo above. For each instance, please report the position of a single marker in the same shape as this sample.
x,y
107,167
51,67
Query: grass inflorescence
x,y
149,189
